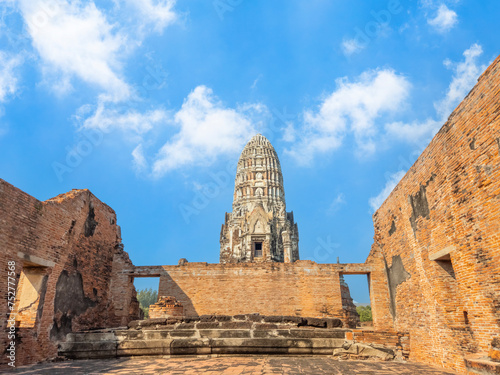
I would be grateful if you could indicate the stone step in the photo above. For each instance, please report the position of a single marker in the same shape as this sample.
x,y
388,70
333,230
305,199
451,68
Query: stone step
x,y
103,349
229,333
151,342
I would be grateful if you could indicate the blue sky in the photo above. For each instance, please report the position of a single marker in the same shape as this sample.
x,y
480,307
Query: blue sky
x,y
148,104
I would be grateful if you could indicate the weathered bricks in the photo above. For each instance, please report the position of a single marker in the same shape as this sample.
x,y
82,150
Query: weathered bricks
x,y
69,256
436,253
165,307
305,288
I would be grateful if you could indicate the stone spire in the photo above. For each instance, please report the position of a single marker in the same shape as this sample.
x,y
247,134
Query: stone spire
x,y
258,177
259,228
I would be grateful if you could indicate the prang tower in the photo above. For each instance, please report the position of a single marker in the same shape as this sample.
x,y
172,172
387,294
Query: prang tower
x,y
259,229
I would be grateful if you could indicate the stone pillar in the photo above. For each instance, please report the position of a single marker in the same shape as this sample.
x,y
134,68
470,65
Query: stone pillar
x,y
287,246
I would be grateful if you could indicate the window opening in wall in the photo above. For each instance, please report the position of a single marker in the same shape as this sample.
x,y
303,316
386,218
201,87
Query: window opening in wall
x,y
447,266
147,292
443,259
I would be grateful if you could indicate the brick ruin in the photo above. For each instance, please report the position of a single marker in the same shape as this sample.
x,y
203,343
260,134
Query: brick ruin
x,y
436,250
302,288
68,260
433,269
166,307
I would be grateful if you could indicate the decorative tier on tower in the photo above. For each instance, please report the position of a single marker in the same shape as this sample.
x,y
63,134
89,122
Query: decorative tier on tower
x,y
259,229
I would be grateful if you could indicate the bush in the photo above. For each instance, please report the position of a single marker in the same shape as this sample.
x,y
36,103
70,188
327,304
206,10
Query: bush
x,y
365,313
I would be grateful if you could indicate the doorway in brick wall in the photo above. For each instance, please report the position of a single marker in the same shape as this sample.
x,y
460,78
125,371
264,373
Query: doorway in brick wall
x,y
147,292
356,295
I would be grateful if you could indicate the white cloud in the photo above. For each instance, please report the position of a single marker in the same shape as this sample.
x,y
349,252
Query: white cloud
x,y
444,20
465,76
159,13
207,129
289,133
393,180
416,132
109,116
352,108
75,39
139,160
8,76
351,46
8,82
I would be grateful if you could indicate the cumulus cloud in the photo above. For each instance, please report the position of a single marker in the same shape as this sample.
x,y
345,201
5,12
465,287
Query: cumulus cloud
x,y
465,75
157,13
444,20
207,129
352,108
392,181
8,76
351,46
75,39
464,78
108,116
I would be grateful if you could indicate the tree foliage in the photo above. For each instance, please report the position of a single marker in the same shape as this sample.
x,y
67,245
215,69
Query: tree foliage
x,y
365,313
146,297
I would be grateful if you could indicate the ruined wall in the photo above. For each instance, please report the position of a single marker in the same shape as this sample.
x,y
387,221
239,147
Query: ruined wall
x,y
436,254
68,255
302,288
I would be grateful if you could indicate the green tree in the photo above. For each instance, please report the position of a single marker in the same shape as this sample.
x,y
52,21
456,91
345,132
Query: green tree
x,y
365,313
146,297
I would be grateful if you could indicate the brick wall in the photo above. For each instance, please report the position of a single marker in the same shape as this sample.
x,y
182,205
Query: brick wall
x,y
302,288
436,252
70,248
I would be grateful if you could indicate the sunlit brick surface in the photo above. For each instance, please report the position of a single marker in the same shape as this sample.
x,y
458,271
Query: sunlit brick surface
x,y
68,251
437,237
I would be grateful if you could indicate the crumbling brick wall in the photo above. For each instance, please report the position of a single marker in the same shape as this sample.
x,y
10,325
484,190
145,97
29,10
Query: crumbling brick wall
x,y
436,252
302,288
68,257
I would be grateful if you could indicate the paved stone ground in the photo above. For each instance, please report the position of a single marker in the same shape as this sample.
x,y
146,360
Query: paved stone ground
x,y
228,365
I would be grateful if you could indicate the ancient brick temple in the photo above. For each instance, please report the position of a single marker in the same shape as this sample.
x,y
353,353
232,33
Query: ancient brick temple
x,y
67,260
259,228
433,270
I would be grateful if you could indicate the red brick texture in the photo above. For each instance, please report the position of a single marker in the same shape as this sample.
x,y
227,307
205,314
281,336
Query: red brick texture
x,y
302,288
166,307
436,254
69,248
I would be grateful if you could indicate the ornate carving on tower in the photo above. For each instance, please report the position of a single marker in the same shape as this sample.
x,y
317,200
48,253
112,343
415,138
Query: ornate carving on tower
x,y
259,229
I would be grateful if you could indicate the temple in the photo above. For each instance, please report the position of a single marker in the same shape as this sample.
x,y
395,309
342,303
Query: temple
x,y
433,270
259,228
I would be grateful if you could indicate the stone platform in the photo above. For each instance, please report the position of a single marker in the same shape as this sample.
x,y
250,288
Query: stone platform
x,y
228,365
231,335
